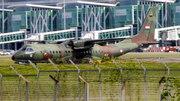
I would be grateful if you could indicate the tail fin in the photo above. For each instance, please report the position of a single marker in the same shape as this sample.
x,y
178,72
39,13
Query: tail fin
x,y
146,33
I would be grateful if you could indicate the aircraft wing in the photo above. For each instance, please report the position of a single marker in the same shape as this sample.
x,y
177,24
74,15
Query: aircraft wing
x,y
105,40
86,43
77,44
44,41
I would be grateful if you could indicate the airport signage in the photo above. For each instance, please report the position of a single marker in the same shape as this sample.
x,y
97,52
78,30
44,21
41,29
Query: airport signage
x,y
16,17
172,35
67,15
120,12
177,9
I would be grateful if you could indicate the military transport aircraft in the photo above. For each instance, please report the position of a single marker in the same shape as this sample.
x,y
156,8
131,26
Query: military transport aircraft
x,y
40,53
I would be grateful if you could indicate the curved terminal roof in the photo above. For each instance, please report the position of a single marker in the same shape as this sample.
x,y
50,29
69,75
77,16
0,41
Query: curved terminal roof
x,y
6,10
32,5
88,2
112,2
41,3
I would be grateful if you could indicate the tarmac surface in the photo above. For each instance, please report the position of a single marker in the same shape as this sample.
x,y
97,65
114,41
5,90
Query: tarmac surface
x,y
157,59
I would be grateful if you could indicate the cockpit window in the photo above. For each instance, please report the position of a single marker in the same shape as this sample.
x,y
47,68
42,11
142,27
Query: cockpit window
x,y
29,50
23,49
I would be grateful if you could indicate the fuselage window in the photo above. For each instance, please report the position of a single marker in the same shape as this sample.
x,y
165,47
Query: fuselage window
x,y
41,52
71,51
50,52
96,52
89,51
59,51
86,51
56,51
53,52
68,51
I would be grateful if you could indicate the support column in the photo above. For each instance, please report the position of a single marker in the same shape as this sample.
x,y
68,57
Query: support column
x,y
15,45
166,14
3,16
8,45
64,16
2,46
132,14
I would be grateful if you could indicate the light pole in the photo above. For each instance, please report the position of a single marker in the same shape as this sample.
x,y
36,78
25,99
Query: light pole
x,y
2,21
77,16
64,16
2,16
165,14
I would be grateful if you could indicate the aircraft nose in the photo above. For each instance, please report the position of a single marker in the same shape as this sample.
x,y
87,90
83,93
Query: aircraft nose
x,y
13,57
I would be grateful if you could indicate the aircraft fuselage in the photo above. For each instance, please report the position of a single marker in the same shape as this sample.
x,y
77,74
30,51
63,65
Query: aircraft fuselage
x,y
38,53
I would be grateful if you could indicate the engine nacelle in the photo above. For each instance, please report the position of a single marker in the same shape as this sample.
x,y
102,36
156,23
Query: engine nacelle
x,y
80,44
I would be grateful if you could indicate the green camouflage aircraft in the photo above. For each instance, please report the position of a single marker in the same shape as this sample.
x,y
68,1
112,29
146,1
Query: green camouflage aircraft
x,y
78,49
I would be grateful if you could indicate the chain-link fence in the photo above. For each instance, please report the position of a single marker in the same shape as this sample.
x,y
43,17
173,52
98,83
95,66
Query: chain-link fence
x,y
103,84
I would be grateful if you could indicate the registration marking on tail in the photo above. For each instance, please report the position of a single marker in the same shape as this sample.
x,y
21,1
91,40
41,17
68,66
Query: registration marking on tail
x,y
147,26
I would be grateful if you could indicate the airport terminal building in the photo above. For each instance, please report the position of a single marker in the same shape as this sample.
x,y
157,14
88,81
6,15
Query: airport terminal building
x,y
96,19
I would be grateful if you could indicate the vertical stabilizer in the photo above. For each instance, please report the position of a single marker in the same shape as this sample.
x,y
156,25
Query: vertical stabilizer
x,y
146,33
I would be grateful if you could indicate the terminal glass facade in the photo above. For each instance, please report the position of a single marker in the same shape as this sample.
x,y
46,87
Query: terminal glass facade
x,y
5,22
90,18
121,16
40,20
18,20
70,18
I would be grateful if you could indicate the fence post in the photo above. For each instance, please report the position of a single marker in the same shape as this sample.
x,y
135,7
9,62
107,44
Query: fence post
x,y
27,91
99,79
168,77
124,88
1,87
27,87
86,86
58,79
144,78
78,78
161,88
38,95
55,86
19,88
120,71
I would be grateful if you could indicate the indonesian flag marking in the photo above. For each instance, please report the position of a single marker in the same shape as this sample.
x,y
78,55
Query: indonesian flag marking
x,y
147,26
121,51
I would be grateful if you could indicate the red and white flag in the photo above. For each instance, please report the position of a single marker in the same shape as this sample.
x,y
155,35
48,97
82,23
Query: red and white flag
x,y
147,26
